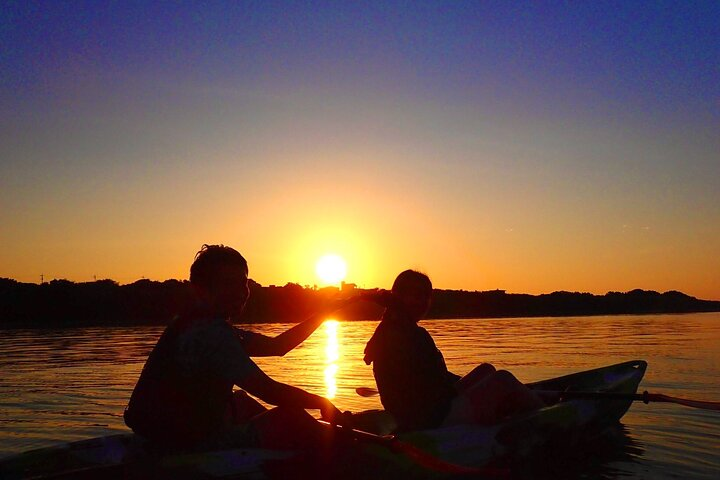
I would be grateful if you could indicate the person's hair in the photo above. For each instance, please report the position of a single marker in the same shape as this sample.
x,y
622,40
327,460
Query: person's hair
x,y
209,259
412,278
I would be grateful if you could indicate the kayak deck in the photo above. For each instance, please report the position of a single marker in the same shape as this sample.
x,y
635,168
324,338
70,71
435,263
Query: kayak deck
x,y
560,425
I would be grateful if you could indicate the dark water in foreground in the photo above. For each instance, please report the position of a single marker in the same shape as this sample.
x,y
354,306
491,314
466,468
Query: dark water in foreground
x,y
68,384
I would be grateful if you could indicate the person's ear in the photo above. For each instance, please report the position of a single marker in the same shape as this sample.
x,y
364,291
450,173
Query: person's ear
x,y
202,292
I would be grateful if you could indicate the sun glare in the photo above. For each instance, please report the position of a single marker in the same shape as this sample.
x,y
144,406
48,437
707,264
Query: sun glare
x,y
331,269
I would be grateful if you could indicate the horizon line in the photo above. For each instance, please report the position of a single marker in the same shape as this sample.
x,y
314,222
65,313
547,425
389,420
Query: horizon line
x,y
355,287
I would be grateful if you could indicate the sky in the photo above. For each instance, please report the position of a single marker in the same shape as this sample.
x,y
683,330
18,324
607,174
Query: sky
x,y
524,146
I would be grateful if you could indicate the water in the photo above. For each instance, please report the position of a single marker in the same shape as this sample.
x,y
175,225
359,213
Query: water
x,y
60,385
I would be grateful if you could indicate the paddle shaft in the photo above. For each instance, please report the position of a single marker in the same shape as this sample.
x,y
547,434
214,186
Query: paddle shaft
x,y
645,397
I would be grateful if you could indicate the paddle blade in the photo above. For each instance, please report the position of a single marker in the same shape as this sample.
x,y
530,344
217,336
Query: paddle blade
x,y
366,391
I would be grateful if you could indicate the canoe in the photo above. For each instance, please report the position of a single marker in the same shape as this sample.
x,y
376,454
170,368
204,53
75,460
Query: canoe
x,y
554,428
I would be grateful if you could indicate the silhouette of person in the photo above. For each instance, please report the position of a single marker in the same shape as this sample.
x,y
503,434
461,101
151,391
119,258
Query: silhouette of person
x,y
414,383
184,396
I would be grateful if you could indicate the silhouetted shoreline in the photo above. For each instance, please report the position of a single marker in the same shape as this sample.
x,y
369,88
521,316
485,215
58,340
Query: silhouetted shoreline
x,y
61,303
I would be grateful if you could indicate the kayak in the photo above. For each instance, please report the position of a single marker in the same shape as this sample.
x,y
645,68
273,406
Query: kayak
x,y
557,427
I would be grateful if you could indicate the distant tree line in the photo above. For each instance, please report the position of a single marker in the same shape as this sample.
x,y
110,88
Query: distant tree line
x,y
497,303
61,303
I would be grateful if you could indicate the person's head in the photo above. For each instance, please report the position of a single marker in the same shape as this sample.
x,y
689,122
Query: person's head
x,y
219,275
412,292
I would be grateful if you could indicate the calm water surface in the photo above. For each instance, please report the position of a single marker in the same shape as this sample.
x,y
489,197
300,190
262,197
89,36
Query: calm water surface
x,y
68,384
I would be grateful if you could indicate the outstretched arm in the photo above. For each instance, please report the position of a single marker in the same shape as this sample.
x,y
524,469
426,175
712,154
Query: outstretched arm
x,y
280,394
257,345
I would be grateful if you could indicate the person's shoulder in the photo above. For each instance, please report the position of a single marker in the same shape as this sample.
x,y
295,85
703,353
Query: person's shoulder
x,y
421,330
183,323
382,327
408,336
386,334
389,329
203,329
243,333
217,326
421,335
223,339
176,329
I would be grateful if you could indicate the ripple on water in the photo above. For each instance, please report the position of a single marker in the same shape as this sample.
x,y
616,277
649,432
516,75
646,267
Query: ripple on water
x,y
67,384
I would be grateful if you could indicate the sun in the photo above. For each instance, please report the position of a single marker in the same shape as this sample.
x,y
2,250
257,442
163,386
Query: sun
x,y
331,269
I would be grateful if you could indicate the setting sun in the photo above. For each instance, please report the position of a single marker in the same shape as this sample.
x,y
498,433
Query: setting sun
x,y
331,269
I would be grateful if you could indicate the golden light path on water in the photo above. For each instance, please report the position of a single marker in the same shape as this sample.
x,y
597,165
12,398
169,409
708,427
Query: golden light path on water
x,y
332,355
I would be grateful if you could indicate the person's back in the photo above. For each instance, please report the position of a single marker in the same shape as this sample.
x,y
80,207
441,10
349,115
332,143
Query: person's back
x,y
185,391
414,383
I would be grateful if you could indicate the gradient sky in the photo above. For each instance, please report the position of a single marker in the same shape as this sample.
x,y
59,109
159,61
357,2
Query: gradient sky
x,y
526,146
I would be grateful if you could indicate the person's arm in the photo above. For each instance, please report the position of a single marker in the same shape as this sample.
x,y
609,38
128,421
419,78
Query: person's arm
x,y
276,393
226,357
257,345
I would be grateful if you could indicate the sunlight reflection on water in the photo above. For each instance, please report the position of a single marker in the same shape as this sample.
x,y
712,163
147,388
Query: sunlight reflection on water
x,y
332,355
68,384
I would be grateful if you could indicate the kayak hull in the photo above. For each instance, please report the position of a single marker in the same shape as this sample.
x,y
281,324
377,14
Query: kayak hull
x,y
128,455
518,438
558,426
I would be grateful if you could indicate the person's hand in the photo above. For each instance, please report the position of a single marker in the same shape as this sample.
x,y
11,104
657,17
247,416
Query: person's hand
x,y
330,413
342,302
382,297
346,420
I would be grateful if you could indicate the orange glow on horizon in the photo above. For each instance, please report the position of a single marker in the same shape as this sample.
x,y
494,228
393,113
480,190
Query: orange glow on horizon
x,y
387,232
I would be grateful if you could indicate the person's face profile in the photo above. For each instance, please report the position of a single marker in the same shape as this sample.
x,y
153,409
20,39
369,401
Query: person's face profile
x,y
231,290
414,300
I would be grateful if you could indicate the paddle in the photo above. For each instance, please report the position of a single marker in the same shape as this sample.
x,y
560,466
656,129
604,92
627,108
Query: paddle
x,y
421,457
366,391
643,397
